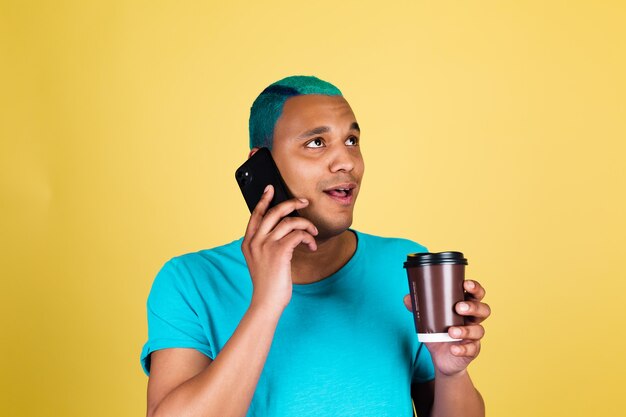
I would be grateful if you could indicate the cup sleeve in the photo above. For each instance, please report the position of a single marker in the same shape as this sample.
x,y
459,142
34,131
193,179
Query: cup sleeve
x,y
172,318
423,368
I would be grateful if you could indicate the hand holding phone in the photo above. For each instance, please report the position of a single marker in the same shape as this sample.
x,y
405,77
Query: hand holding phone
x,y
271,238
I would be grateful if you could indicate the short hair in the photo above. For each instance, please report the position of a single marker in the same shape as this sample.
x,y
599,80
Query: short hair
x,y
268,106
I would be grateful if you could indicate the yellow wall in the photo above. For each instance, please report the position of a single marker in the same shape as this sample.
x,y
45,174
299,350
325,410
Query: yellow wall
x,y
495,128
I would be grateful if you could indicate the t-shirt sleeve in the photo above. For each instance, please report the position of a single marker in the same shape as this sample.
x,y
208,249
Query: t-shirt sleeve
x,y
172,320
423,370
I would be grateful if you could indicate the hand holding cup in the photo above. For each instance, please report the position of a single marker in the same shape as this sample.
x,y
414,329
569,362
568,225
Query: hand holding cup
x,y
457,302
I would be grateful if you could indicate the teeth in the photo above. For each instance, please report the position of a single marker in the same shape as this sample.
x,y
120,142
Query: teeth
x,y
344,191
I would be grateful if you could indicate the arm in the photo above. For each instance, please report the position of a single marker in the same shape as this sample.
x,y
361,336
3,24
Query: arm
x,y
452,393
456,397
184,381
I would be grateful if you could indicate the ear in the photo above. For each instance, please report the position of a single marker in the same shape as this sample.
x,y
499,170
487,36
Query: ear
x,y
252,151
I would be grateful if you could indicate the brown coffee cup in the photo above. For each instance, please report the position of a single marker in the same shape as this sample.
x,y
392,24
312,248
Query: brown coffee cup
x,y
436,286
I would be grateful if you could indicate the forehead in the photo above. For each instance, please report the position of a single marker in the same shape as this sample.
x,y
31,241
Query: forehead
x,y
309,111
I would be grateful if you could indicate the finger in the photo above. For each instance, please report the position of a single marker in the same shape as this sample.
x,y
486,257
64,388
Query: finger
x,y
469,350
259,212
474,311
474,291
297,237
276,213
475,332
289,224
408,303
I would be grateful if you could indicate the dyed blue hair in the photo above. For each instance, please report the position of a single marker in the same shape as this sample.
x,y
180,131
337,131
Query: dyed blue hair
x,y
268,106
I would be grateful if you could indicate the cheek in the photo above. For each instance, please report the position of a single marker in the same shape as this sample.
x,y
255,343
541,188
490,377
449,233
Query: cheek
x,y
359,168
299,180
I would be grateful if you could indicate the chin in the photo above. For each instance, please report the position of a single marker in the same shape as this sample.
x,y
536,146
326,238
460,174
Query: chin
x,y
329,224
332,229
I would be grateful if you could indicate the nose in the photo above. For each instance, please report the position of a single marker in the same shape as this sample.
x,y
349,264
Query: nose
x,y
342,159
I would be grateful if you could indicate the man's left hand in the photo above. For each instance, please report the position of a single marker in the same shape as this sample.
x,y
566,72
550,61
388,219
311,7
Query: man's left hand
x,y
452,358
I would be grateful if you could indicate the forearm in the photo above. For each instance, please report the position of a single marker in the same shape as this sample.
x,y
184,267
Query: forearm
x,y
456,396
225,388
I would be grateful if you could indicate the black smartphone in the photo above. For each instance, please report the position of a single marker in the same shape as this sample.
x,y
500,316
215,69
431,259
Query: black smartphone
x,y
258,172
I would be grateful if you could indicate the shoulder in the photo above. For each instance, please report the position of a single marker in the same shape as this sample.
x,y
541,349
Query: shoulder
x,y
187,269
392,244
219,255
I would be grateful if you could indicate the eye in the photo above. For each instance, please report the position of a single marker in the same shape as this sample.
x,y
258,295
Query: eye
x,y
352,141
315,143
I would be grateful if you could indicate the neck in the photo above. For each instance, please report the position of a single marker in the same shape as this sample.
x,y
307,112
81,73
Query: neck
x,y
331,255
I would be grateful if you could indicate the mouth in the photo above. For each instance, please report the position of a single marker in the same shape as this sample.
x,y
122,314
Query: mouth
x,y
341,193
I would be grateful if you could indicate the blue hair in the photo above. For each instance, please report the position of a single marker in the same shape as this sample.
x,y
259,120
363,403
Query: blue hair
x,y
268,106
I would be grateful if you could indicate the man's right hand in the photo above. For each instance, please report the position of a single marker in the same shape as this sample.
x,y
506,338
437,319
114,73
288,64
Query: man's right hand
x,y
268,246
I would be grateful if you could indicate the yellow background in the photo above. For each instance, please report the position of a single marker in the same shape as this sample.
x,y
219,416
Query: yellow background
x,y
495,128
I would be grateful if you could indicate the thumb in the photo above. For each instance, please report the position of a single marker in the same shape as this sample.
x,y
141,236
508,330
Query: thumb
x,y
407,302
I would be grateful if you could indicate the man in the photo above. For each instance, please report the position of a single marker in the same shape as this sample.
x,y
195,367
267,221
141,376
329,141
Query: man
x,y
303,316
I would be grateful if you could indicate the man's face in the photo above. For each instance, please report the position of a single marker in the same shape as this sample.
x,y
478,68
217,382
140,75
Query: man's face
x,y
316,148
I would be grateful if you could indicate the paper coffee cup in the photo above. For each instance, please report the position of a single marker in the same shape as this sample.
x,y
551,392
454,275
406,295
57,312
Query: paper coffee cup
x,y
436,286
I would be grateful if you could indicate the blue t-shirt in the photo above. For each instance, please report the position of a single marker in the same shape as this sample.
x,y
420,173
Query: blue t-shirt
x,y
344,346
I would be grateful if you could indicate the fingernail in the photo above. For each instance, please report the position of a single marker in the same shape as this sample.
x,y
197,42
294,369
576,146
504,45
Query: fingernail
x,y
266,189
303,200
455,332
470,285
463,306
316,231
455,349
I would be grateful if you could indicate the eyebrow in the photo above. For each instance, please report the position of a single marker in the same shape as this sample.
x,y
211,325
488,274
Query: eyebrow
x,y
325,129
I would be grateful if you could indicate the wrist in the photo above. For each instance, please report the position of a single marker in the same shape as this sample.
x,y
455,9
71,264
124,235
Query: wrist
x,y
266,308
451,375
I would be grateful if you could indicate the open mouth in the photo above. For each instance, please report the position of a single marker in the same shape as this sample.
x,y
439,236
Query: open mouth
x,y
339,192
342,193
